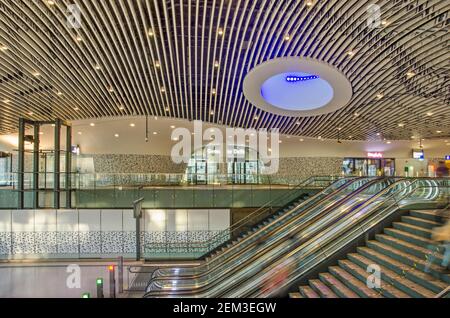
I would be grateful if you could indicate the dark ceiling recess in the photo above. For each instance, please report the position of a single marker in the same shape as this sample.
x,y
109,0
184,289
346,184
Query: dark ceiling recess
x,y
188,59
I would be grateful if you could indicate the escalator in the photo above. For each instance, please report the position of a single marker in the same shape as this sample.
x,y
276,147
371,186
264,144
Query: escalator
x,y
267,240
299,244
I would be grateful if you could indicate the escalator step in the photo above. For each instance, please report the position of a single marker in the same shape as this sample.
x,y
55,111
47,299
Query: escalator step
x,y
409,272
321,289
396,280
308,292
295,295
386,289
339,289
353,283
415,230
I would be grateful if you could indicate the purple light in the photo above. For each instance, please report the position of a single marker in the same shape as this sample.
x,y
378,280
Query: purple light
x,y
294,79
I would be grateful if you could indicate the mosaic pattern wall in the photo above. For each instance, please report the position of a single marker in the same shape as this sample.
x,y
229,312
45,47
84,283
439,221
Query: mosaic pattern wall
x,y
106,233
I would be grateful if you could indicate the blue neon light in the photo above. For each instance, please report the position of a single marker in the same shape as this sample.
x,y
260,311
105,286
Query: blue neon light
x,y
294,79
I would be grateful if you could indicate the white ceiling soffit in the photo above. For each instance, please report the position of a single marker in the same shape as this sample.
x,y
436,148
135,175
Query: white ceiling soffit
x,y
188,59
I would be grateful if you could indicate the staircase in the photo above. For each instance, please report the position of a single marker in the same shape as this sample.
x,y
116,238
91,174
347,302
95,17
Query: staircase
x,y
401,253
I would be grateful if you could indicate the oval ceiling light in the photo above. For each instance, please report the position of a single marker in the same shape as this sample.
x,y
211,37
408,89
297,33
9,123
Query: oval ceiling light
x,y
293,86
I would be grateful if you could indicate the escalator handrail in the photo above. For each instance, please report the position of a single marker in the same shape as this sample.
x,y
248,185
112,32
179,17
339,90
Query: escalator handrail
x,y
393,204
286,237
250,236
267,206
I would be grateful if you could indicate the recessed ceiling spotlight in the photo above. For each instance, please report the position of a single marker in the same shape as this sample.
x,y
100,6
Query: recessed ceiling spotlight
x,y
350,53
92,124
211,113
36,74
220,31
350,137
80,133
50,2
309,3
167,109
157,64
384,22
280,141
175,138
388,142
155,118
7,101
413,137
150,32
429,114
121,107
163,89
155,133
213,91
410,74
356,114
3,48
116,135
97,67
59,93
41,133
287,37
380,95
172,126
111,90
76,109
302,140
401,125
439,131
79,38
378,134
30,113
216,64
256,118
297,123
132,125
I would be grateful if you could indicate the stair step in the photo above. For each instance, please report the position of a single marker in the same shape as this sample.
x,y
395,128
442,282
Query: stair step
x,y
420,222
407,247
408,237
409,272
408,259
295,295
431,215
353,283
398,281
336,286
386,289
308,292
320,288
416,230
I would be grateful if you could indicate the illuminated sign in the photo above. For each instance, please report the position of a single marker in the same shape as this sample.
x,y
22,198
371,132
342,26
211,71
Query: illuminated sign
x,y
447,157
374,155
418,154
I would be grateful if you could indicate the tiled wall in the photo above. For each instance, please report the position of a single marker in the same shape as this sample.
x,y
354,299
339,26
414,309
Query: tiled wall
x,y
136,164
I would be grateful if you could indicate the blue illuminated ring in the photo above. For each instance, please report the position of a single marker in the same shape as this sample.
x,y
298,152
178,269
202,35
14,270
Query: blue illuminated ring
x,y
340,90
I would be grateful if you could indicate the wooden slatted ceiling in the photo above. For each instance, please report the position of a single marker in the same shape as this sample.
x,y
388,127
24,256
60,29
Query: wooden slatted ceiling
x,y
188,59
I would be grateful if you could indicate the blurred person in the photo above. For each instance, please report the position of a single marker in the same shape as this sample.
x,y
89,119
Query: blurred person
x,y
442,170
442,236
281,273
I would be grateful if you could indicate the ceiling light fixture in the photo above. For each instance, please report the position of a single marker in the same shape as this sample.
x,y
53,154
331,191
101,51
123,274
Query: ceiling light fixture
x,y
98,67
350,53
380,95
80,133
132,125
79,38
92,124
429,114
3,48
150,32
121,107
410,74
401,125
76,109
36,74
116,135
216,64
220,31
157,64
287,37
163,89
59,93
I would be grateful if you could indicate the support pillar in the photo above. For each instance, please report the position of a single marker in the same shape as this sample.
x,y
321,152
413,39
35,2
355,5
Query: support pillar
x,y
36,166
68,167
21,165
56,168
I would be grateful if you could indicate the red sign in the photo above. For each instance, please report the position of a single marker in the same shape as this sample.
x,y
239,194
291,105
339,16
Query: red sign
x,y
374,155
